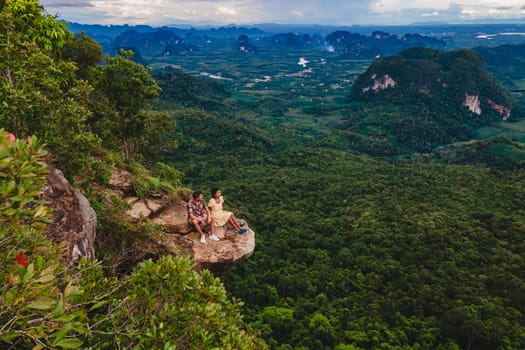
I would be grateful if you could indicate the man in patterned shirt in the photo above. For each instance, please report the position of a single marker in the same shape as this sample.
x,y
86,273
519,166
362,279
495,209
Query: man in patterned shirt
x,y
200,217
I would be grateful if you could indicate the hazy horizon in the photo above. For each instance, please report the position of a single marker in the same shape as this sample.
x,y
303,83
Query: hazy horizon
x,y
307,12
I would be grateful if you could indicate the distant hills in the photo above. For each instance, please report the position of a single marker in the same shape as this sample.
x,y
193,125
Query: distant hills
x,y
167,41
159,43
423,98
185,90
112,36
453,35
506,62
379,43
415,96
500,152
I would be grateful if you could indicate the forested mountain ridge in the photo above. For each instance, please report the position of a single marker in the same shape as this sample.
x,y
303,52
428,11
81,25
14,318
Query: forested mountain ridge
x,y
160,42
379,43
498,152
423,98
172,41
188,91
505,61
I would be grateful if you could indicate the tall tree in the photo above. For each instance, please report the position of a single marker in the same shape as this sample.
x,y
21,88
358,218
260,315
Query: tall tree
x,y
37,90
84,51
128,87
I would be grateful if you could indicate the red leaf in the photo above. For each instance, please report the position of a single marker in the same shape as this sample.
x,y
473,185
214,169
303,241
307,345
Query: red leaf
x,y
22,259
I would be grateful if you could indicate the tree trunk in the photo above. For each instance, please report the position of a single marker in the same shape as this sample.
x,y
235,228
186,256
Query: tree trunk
x,y
126,150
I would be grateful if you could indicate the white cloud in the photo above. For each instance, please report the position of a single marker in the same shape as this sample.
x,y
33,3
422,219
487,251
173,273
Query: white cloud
x,y
229,11
336,12
62,3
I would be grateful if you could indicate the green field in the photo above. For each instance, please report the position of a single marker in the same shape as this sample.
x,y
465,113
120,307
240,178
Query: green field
x,y
514,130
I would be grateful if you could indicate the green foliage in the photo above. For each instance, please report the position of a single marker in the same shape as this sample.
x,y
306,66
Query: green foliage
x,y
37,90
168,174
371,254
45,305
280,320
118,75
84,51
321,328
26,18
121,74
156,139
395,248
144,182
188,91
346,347
167,305
505,61
498,151
121,243
21,180
36,309
425,108
352,252
226,139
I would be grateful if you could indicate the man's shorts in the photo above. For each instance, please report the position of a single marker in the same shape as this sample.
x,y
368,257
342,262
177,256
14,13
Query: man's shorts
x,y
204,226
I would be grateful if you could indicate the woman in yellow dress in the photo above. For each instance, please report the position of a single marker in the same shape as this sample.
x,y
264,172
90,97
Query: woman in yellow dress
x,y
221,216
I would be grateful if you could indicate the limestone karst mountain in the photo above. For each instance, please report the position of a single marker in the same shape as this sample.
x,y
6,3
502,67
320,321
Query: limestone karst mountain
x,y
423,98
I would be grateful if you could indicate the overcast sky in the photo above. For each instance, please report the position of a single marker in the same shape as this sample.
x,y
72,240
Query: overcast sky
x,y
330,12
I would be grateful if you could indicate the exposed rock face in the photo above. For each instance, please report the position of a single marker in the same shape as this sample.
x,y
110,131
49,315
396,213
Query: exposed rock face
x,y
147,208
178,237
215,256
174,218
502,110
244,44
222,255
472,102
381,83
120,182
74,221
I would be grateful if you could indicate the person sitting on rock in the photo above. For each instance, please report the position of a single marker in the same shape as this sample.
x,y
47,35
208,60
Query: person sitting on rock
x,y
200,217
220,216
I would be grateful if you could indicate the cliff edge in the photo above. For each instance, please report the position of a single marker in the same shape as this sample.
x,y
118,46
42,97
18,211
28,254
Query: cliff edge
x,y
176,236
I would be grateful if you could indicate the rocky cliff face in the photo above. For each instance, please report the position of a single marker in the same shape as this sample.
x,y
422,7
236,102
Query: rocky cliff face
x,y
472,103
380,83
74,221
215,256
177,236
502,110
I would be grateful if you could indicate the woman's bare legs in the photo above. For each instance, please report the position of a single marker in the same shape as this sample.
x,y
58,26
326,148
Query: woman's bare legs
x,y
233,220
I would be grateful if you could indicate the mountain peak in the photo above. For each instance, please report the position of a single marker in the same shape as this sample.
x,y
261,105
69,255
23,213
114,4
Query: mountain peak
x,y
423,98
